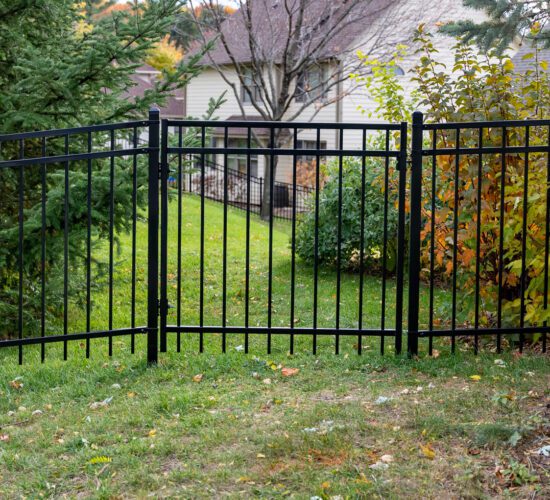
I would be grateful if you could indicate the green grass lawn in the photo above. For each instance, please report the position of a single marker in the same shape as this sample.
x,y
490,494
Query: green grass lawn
x,y
245,430
373,315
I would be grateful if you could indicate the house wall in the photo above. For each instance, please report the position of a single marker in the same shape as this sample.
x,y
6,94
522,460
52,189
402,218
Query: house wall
x,y
355,106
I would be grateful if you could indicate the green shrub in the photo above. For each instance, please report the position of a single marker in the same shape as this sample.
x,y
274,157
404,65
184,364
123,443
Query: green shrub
x,y
350,241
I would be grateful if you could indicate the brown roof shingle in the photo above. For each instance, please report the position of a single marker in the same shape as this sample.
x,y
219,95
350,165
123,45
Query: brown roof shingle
x,y
144,79
333,25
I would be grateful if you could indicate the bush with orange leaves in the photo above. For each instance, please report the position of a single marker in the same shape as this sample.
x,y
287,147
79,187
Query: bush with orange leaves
x,y
499,247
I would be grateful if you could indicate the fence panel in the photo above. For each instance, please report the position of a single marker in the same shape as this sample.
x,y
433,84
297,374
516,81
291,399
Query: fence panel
x,y
226,274
480,232
69,197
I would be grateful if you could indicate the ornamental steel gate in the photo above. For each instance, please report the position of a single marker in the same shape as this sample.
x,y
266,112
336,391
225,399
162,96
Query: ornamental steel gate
x,y
320,253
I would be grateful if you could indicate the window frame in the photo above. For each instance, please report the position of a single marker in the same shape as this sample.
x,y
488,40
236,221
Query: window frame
x,y
253,87
302,95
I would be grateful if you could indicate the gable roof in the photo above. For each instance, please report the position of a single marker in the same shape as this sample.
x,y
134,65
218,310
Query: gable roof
x,y
331,25
144,79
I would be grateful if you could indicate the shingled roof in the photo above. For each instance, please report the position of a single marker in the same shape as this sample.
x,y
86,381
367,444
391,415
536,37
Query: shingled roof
x,y
144,79
341,21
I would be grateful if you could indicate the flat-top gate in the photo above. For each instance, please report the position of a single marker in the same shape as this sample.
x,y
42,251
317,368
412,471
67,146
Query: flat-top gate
x,y
157,228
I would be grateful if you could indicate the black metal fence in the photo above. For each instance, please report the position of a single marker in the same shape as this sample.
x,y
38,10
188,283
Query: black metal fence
x,y
471,235
63,192
350,141
239,184
480,228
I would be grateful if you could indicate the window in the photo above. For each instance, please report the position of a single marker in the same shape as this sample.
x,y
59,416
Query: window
x,y
396,70
309,145
238,161
250,90
311,85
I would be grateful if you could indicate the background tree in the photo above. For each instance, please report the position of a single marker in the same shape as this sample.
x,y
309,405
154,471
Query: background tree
x,y
165,56
54,74
292,48
93,8
186,31
506,21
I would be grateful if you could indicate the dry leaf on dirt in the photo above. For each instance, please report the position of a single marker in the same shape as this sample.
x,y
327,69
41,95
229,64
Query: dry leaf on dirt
x,y
289,372
475,377
198,378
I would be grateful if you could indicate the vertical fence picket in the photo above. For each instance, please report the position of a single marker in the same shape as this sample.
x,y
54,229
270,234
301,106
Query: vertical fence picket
x,y
414,235
163,235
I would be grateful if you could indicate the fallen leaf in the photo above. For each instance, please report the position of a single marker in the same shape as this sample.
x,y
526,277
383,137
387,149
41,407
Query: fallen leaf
x,y
131,394
101,404
428,451
267,381
386,459
245,479
325,485
4,437
289,372
152,433
475,377
100,460
16,384
260,455
198,378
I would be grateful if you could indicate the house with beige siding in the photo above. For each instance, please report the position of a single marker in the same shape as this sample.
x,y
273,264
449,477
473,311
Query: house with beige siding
x,y
377,34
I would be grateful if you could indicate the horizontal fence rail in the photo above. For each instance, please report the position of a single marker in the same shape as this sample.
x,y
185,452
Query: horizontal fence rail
x,y
241,235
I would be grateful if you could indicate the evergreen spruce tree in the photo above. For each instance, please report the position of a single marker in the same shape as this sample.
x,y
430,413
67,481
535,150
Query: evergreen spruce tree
x,y
59,70
92,8
506,21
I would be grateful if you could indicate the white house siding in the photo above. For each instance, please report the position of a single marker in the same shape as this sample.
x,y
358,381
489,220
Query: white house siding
x,y
399,31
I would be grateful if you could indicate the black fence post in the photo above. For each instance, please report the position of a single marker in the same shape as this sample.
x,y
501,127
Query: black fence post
x,y
164,173
152,229
414,236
